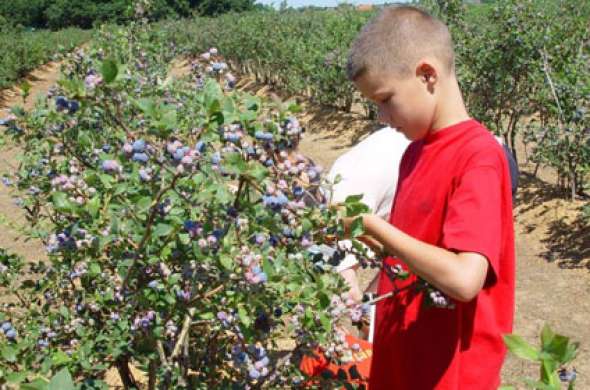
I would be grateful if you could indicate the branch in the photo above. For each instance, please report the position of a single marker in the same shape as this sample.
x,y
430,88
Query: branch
x,y
183,333
150,222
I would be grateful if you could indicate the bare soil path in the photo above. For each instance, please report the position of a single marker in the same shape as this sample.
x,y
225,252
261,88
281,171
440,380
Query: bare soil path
x,y
552,243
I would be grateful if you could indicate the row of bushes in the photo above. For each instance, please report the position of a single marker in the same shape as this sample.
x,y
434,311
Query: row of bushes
x,y
523,66
23,51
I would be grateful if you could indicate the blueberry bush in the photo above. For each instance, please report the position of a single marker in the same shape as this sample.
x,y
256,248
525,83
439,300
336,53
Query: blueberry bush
x,y
180,226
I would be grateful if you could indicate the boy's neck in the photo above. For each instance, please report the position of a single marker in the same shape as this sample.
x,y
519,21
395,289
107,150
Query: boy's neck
x,y
450,109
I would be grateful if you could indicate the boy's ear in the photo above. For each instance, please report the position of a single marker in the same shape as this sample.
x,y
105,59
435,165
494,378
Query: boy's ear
x,y
427,72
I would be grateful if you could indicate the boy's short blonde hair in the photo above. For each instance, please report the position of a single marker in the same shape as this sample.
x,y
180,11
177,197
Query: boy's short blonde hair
x,y
396,39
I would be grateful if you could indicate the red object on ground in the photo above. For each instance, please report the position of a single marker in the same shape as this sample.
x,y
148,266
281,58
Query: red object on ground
x,y
314,366
454,191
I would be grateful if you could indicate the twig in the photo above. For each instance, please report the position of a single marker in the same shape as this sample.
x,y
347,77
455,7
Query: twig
x,y
162,354
547,72
125,373
183,333
152,375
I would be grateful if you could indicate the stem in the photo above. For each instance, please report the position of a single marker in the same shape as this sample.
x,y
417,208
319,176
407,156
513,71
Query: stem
x,y
239,193
183,333
152,375
162,354
125,373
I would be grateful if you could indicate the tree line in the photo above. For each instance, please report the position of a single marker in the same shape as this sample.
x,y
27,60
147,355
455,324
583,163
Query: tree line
x,y
58,14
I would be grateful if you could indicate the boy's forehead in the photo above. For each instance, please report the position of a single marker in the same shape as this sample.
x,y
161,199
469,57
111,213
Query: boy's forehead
x,y
374,84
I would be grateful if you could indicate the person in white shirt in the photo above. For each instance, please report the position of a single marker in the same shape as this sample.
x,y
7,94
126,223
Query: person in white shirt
x,y
370,168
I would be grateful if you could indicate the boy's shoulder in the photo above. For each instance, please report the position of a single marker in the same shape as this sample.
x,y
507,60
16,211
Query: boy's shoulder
x,y
481,148
465,144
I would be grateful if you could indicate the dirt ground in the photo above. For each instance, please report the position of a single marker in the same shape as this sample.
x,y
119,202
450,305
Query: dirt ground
x,y
552,244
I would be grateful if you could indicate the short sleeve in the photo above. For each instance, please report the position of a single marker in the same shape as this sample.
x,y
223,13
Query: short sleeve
x,y
473,221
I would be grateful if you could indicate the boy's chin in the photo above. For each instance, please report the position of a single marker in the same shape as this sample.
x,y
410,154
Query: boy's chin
x,y
410,137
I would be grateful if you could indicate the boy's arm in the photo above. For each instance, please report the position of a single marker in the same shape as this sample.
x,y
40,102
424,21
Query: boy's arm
x,y
459,275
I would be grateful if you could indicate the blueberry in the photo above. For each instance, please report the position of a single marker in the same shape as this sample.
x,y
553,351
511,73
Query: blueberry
x,y
153,284
232,212
567,376
139,146
216,158
287,232
61,103
274,240
282,200
144,175
106,148
298,191
251,151
278,312
140,157
73,106
241,357
190,225
6,327
200,146
179,154
11,334
254,373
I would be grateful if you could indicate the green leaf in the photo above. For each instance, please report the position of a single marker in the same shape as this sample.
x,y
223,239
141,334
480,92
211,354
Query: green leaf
x,y
353,198
147,106
520,348
267,267
326,322
37,384
8,353
257,171
506,387
60,201
144,204
59,358
226,262
357,228
17,377
109,70
234,163
61,381
162,230
94,269
546,336
93,206
244,317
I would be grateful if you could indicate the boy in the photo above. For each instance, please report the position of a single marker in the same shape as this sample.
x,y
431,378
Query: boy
x,y
451,221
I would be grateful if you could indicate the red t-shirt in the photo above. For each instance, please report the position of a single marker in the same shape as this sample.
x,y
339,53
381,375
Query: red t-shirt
x,y
453,192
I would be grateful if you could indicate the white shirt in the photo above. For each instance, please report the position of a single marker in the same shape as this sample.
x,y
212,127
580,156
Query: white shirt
x,y
370,168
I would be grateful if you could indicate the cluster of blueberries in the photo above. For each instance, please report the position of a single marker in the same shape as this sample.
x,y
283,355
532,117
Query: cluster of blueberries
x,y
63,104
144,321
7,329
254,358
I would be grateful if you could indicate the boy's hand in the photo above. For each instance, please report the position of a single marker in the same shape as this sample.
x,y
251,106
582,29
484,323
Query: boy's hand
x,y
371,242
